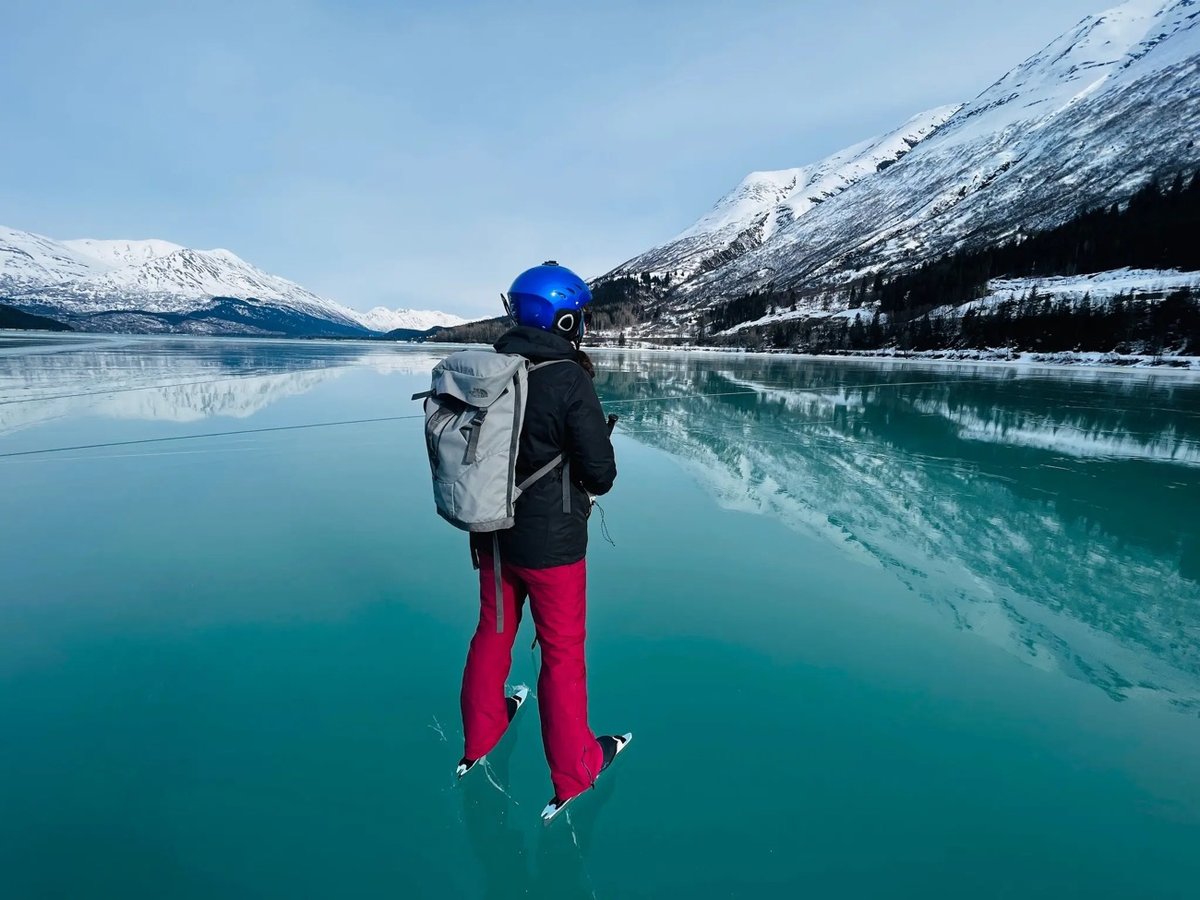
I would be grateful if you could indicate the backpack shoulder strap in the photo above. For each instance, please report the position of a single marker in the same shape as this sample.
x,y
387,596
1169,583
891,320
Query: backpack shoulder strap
x,y
541,473
559,460
549,362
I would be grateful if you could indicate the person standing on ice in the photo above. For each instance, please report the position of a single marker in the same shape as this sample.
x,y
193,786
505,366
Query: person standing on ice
x,y
543,556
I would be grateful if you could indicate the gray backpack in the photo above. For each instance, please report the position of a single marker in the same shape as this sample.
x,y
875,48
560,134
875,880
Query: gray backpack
x,y
474,413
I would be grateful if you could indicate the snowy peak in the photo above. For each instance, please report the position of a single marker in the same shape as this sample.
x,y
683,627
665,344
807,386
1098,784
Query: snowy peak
x,y
766,202
1076,65
1177,25
757,193
840,171
82,279
202,274
29,260
194,273
184,279
122,253
383,319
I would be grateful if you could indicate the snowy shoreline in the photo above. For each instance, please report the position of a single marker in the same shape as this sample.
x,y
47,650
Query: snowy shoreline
x,y
1117,362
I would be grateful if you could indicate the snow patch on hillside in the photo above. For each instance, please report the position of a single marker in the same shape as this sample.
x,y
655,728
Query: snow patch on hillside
x,y
1100,285
29,260
122,253
1099,288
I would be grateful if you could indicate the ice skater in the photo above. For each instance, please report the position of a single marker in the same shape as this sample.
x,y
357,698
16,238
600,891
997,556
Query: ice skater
x,y
564,459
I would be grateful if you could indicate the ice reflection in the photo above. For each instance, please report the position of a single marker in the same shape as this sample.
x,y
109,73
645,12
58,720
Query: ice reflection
x,y
179,380
1052,513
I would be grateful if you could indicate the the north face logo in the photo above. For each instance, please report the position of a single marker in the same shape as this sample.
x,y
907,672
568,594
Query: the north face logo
x,y
477,393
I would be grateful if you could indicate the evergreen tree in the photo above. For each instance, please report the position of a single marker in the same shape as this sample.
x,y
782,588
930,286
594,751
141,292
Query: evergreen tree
x,y
858,334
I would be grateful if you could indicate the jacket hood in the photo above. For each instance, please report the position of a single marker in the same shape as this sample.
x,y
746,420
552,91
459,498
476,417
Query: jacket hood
x,y
534,343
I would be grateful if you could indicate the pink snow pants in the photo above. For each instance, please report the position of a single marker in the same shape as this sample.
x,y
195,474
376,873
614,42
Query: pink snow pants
x,y
558,600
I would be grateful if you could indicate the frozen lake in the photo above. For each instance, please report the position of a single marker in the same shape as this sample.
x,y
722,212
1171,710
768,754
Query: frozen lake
x,y
881,629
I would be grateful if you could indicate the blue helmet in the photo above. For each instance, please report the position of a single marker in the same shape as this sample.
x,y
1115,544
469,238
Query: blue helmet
x,y
550,297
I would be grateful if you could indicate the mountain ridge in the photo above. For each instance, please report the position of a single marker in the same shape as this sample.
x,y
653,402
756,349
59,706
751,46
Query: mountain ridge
x,y
1087,121
161,286
766,201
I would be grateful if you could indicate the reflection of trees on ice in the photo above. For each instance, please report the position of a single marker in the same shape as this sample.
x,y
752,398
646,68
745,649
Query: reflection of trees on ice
x,y
179,380
1042,512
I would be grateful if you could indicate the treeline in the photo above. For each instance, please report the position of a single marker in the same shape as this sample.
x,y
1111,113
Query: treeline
x,y
484,332
1156,229
621,303
11,317
1126,324
752,306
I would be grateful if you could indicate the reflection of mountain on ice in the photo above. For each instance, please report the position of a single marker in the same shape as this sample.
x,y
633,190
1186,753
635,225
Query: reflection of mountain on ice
x,y
1069,435
403,362
1017,540
177,381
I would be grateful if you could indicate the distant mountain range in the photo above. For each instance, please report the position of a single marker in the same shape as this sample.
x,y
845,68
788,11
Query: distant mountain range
x,y
156,286
1104,109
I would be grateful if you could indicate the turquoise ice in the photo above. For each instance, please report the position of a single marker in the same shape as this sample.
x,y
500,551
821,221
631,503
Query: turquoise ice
x,y
881,629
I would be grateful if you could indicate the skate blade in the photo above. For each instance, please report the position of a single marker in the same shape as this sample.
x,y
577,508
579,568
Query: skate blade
x,y
520,694
550,813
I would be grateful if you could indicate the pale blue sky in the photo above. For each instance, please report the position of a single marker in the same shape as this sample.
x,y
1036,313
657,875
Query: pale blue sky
x,y
421,155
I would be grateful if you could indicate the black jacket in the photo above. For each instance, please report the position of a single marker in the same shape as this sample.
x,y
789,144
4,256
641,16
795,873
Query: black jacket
x,y
562,415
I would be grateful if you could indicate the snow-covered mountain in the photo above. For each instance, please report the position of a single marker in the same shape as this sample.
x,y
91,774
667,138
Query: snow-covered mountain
x,y
765,203
159,286
122,253
383,319
1100,111
29,262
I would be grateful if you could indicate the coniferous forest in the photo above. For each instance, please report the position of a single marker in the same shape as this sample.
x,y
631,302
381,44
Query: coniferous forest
x,y
1155,229
11,317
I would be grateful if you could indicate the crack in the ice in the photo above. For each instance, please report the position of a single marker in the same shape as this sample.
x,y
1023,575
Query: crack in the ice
x,y
436,728
487,770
